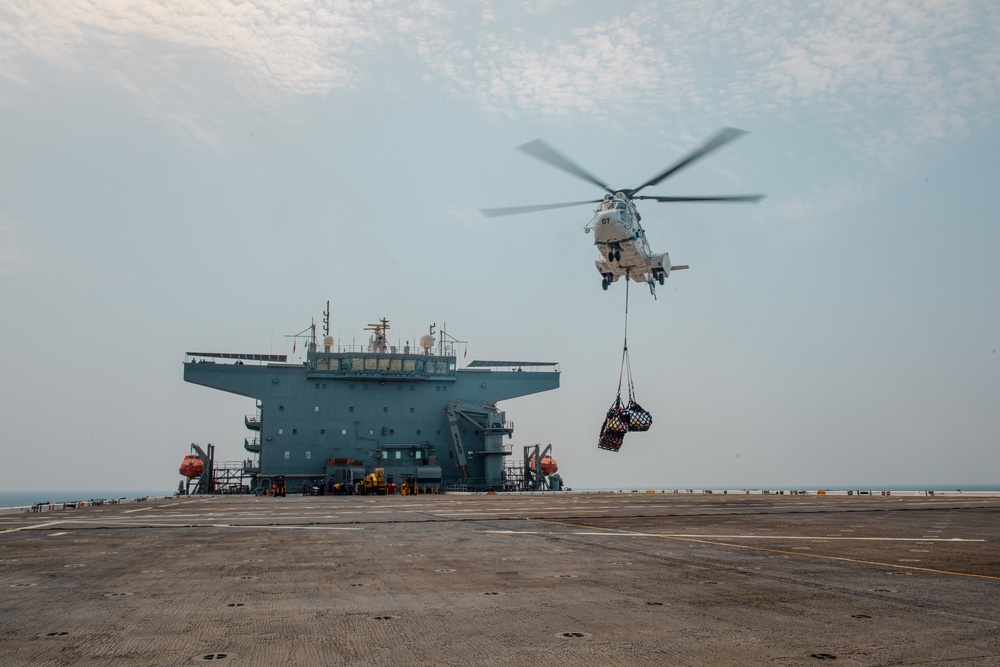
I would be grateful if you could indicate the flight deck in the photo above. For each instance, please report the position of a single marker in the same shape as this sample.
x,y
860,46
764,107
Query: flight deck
x,y
506,579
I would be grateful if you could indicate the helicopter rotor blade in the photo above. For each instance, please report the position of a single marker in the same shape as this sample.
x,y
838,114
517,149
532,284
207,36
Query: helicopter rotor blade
x,y
514,210
721,138
542,151
730,198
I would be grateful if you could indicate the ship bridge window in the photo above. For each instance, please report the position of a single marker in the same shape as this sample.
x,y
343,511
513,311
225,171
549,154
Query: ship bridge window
x,y
409,365
399,454
419,454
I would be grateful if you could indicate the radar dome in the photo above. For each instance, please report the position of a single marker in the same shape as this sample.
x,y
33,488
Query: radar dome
x,y
427,341
328,341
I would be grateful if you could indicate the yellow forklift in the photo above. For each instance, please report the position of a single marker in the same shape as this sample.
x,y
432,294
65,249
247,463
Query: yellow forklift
x,y
374,483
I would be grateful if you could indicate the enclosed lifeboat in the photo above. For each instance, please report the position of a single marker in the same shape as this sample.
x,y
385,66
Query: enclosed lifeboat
x,y
192,466
548,465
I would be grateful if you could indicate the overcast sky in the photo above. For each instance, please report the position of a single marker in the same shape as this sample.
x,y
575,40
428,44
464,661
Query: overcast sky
x,y
205,174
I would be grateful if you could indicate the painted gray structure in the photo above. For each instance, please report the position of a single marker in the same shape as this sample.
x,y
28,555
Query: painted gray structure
x,y
401,412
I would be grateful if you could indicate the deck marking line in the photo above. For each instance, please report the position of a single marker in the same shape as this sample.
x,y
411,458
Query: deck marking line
x,y
32,527
612,531
847,560
791,537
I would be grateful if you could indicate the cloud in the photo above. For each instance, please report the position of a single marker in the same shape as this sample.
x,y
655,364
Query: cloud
x,y
295,46
163,53
602,70
925,69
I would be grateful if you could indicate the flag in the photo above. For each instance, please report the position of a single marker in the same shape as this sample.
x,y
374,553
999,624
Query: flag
x,y
293,345
466,352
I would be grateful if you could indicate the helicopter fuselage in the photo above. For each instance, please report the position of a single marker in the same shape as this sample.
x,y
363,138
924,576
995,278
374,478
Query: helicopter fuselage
x,y
622,242
617,233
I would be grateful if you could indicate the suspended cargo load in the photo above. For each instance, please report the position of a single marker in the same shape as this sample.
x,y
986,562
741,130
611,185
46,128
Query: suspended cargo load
x,y
638,419
621,418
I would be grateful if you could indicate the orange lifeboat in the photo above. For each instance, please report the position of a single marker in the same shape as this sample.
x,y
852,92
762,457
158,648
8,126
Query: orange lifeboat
x,y
548,466
192,466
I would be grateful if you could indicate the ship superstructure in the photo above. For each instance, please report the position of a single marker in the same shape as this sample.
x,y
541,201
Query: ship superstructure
x,y
345,411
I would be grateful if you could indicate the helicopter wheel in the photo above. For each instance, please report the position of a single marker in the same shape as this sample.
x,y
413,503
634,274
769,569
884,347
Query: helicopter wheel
x,y
604,284
660,278
618,255
611,255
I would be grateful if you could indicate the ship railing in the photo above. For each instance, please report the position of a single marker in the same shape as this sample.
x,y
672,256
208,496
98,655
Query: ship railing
x,y
354,348
475,485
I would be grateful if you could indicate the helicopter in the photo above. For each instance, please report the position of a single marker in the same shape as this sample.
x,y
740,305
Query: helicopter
x,y
618,235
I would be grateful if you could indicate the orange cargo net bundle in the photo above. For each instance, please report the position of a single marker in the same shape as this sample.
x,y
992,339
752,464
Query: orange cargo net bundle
x,y
622,418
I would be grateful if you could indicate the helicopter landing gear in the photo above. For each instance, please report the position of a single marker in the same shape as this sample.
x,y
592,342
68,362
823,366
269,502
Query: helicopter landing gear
x,y
660,278
614,255
606,280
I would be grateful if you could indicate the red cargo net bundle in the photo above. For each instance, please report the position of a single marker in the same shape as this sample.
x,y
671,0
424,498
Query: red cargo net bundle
x,y
623,417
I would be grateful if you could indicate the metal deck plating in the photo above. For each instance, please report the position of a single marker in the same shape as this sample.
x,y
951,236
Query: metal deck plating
x,y
585,579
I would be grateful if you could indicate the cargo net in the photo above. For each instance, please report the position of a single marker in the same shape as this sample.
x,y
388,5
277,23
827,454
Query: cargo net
x,y
623,417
